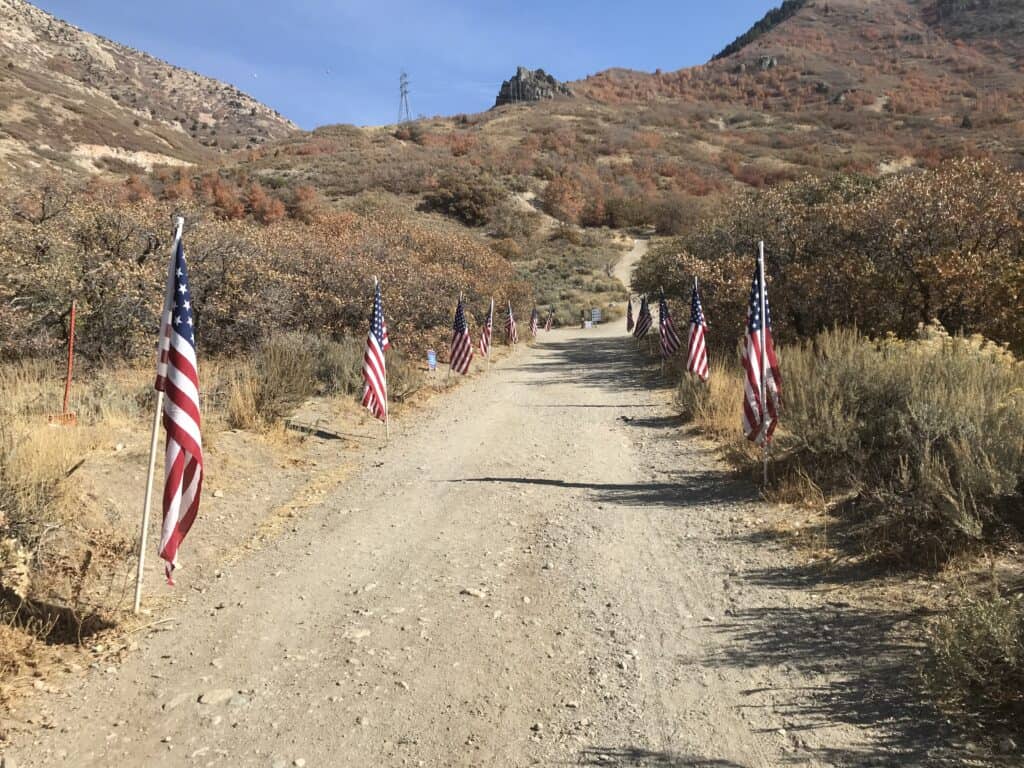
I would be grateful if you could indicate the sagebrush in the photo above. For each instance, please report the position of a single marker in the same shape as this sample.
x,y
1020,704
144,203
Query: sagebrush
x,y
926,436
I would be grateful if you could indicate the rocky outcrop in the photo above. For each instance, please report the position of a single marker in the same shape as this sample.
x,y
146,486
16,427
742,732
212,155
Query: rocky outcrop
x,y
530,85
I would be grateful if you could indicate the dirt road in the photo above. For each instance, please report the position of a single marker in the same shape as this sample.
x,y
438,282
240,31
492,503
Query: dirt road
x,y
545,569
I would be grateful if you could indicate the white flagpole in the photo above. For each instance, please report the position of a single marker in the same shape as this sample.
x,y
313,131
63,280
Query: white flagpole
x,y
662,289
490,341
387,406
179,225
764,360
636,341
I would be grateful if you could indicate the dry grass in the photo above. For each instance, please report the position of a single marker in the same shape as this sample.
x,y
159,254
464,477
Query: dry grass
x,y
60,565
926,437
289,368
37,457
713,407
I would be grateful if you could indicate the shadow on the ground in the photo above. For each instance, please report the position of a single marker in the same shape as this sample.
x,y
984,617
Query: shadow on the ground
x,y
644,758
865,656
681,491
611,363
672,421
55,624
588,405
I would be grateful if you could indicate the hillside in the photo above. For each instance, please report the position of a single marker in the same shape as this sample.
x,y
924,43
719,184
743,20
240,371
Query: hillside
x,y
993,25
817,87
939,58
70,99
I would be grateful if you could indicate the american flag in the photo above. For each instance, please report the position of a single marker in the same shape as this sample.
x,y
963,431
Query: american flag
x,y
511,334
177,376
549,321
643,320
757,424
462,345
375,394
697,356
629,315
485,335
670,342
534,322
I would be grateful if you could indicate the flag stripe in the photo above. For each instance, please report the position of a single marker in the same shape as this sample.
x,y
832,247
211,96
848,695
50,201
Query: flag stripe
x,y
697,355
643,320
511,332
375,393
485,335
670,342
178,379
462,345
760,418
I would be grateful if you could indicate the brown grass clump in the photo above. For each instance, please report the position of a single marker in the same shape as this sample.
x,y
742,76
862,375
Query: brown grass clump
x,y
713,408
61,564
34,456
281,374
288,368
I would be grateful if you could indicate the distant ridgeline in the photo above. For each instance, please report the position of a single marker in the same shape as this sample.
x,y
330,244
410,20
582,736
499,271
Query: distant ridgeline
x,y
530,85
771,20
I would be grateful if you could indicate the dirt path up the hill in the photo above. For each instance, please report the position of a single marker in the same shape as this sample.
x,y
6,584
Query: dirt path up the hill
x,y
546,569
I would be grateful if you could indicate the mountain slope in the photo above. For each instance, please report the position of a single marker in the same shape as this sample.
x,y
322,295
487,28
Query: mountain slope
x,y
993,25
858,86
938,58
70,99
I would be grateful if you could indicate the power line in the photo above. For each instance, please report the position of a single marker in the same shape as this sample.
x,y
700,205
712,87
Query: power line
x,y
404,115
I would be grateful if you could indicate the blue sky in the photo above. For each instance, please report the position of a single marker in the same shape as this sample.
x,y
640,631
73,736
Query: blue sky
x,y
338,61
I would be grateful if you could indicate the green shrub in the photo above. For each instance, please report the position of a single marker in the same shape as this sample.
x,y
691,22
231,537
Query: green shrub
x,y
465,196
977,655
930,432
404,377
510,220
339,366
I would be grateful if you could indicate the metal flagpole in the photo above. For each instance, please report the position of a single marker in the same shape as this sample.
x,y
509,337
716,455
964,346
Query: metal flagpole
x,y
490,341
179,225
764,361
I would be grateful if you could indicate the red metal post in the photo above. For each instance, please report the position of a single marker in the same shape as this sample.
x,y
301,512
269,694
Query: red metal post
x,y
71,359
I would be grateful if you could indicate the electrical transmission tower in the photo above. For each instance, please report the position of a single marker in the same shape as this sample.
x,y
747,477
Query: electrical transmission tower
x,y
403,99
